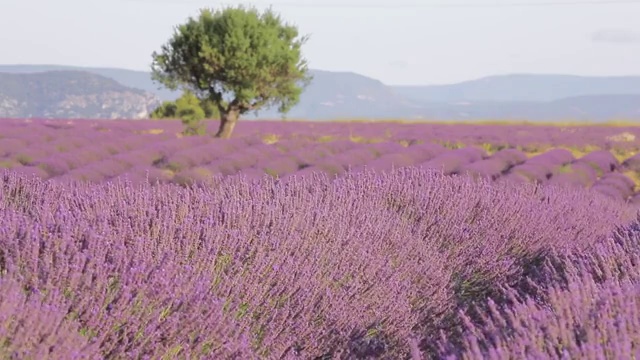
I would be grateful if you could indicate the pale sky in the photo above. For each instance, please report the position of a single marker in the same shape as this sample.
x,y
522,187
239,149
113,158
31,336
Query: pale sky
x,y
400,42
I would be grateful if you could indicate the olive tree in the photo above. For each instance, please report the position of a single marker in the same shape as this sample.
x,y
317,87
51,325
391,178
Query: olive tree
x,y
237,58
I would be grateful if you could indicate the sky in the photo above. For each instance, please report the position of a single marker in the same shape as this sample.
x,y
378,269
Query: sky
x,y
400,42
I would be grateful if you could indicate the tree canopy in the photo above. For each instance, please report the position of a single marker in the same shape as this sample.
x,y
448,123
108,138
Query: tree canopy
x,y
239,59
190,109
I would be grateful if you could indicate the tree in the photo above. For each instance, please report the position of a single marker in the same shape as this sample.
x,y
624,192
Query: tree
x,y
190,109
167,110
237,58
191,114
210,109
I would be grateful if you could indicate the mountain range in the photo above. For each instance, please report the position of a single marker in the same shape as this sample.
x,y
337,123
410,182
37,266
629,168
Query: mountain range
x,y
71,94
339,95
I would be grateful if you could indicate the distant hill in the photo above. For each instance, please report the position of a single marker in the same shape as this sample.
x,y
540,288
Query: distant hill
x,y
522,87
331,94
71,94
335,95
590,108
130,78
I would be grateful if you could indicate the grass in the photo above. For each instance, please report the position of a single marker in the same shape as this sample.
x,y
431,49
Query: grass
x,y
453,145
635,176
491,148
7,164
151,132
579,152
533,149
623,154
596,168
566,168
23,159
325,138
365,140
270,139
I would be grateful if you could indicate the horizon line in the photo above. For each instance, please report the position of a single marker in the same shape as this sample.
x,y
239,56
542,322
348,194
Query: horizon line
x,y
102,67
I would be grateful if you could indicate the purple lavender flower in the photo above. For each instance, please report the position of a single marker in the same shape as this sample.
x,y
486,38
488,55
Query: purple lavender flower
x,y
603,161
453,161
490,168
632,163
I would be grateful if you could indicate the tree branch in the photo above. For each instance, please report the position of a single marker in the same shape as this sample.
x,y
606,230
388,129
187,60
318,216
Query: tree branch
x,y
257,104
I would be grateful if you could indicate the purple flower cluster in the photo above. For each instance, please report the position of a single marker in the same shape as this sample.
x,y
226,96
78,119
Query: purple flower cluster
x,y
603,137
541,168
575,174
615,185
100,151
496,165
632,163
602,161
36,326
452,162
591,310
367,265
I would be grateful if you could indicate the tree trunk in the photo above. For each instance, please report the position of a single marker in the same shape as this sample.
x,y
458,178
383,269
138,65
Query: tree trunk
x,y
228,121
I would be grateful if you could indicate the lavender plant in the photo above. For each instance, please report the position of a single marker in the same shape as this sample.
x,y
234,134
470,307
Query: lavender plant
x,y
590,311
364,265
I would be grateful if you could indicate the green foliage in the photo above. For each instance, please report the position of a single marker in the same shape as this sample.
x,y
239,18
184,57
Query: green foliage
x,y
8,164
24,159
210,109
168,110
190,109
191,114
566,168
238,59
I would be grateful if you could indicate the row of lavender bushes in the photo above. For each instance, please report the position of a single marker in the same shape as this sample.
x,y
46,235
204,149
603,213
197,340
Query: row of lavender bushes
x,y
36,138
100,151
530,137
393,265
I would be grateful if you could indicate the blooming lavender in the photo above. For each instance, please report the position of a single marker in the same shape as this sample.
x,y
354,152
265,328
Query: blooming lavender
x,y
513,157
321,240
586,321
615,185
591,312
632,163
489,168
602,161
453,161
541,168
352,267
36,326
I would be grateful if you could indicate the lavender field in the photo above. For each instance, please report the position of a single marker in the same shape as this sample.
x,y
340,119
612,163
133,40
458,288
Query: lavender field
x,y
601,158
124,240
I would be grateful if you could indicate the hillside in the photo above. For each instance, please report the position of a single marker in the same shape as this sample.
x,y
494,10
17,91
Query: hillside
x,y
522,88
331,94
589,108
71,94
130,78
347,95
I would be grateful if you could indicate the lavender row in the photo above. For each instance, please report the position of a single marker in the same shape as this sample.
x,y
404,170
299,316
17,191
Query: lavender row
x,y
201,163
591,311
529,137
370,264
